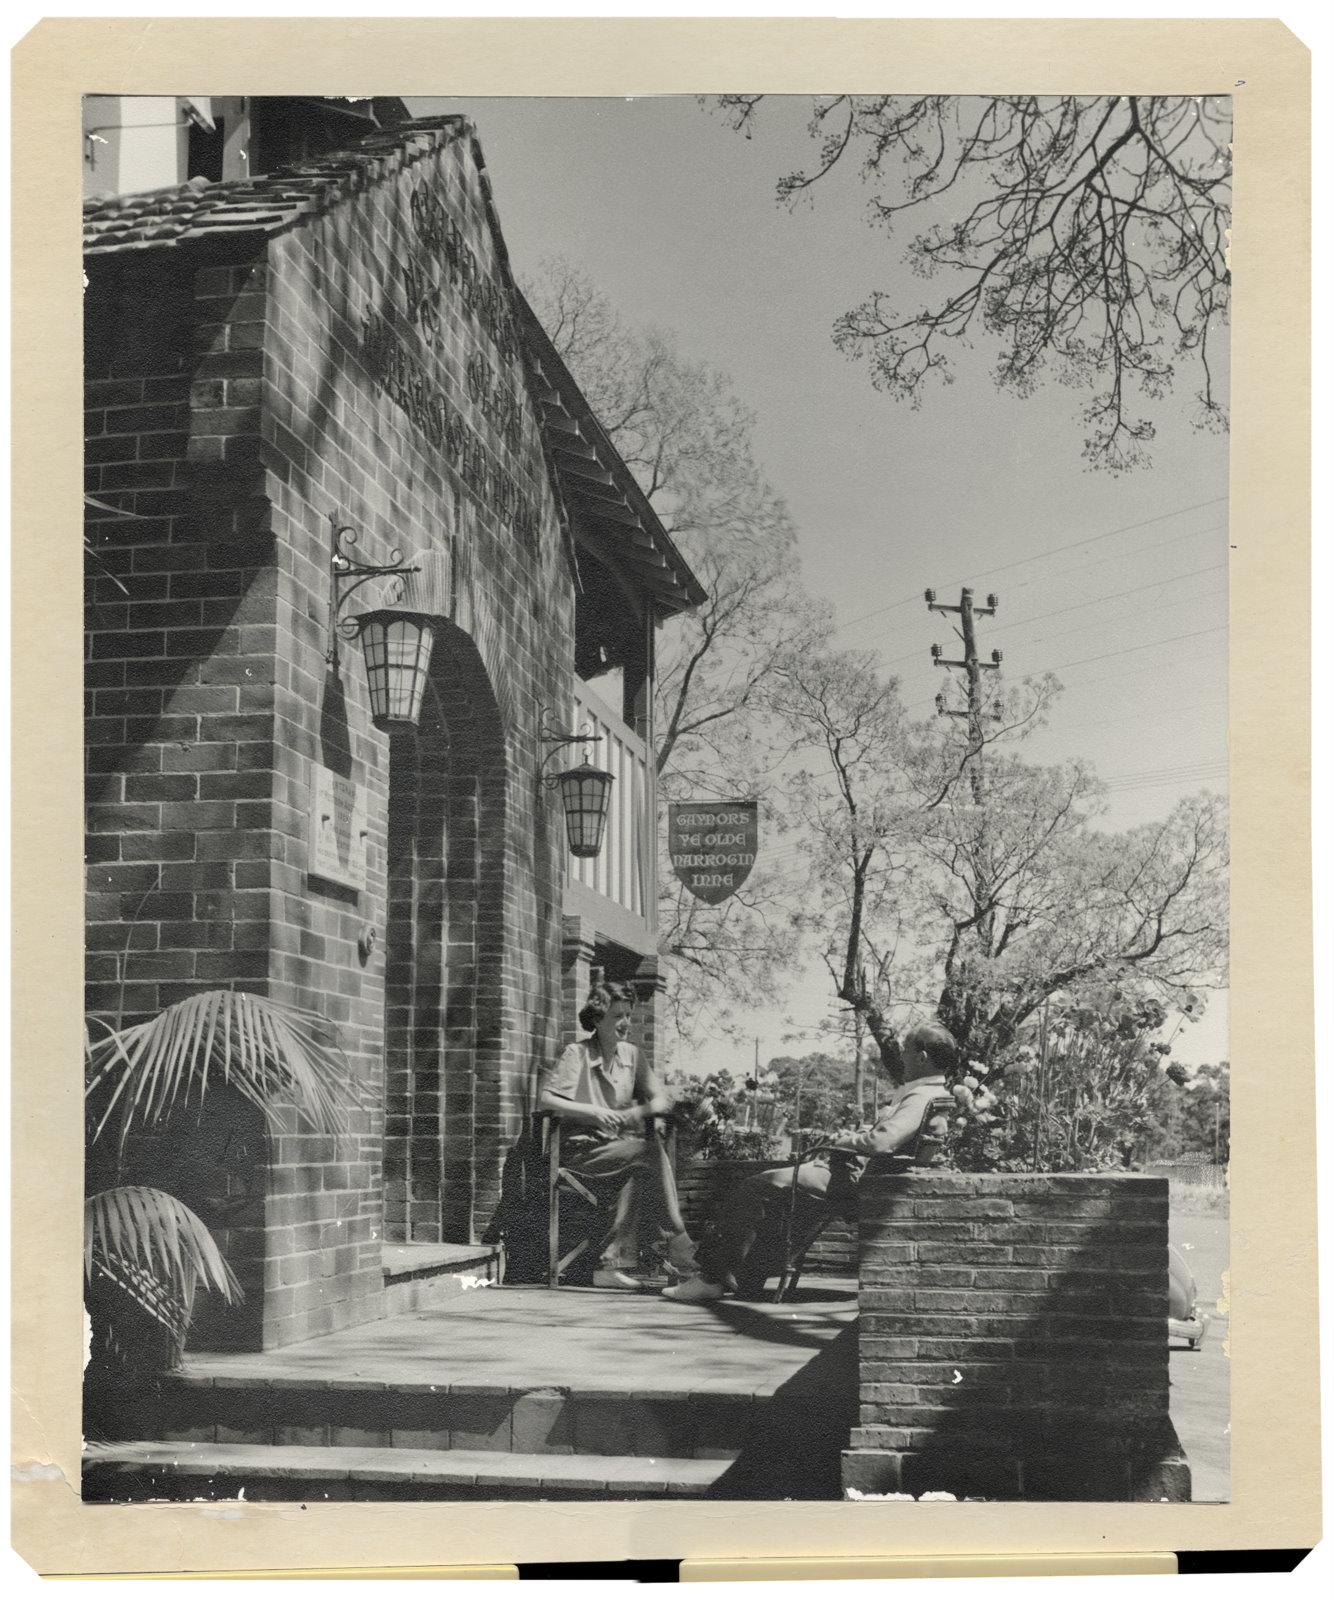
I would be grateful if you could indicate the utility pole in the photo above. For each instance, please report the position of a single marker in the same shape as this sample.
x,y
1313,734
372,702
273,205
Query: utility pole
x,y
973,668
967,613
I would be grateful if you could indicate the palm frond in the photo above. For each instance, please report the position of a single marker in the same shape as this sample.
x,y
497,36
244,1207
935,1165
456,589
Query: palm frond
x,y
155,1249
272,1054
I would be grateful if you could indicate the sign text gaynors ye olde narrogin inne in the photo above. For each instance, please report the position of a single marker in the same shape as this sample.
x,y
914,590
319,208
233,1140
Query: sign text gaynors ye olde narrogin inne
x,y
713,844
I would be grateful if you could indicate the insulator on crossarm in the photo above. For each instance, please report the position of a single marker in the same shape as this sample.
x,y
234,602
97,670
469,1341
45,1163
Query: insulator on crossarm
x,y
930,597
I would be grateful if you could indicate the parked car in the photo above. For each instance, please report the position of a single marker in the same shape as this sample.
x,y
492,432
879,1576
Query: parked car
x,y
1185,1320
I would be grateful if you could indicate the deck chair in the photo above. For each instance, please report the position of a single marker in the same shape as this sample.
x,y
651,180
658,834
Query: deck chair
x,y
598,1197
921,1151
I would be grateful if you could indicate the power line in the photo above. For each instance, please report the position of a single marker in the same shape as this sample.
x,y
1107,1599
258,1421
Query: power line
x,y
1109,655
1153,644
1182,768
1193,780
1143,611
1184,715
1085,567
1119,555
1134,675
1120,594
1076,544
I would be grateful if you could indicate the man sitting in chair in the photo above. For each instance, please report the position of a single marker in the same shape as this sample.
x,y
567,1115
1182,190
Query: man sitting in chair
x,y
604,1092
929,1052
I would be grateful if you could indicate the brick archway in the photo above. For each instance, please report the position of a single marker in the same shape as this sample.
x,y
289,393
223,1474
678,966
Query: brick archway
x,y
444,947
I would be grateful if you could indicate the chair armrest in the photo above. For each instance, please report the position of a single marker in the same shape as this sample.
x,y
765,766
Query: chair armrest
x,y
818,1150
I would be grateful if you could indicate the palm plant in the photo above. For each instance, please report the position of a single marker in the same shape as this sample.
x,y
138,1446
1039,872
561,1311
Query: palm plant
x,y
144,1249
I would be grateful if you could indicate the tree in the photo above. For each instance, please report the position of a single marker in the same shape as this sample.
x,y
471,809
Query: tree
x,y
1207,1119
1191,1114
892,826
687,437
816,1092
1146,909
1085,235
836,707
954,878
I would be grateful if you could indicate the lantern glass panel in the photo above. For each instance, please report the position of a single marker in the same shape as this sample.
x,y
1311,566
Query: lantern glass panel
x,y
397,652
585,795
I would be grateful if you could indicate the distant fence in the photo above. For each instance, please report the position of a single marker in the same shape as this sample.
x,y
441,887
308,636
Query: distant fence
x,y
1194,1174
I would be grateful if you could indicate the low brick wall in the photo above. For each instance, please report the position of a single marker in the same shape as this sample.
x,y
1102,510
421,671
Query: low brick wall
x,y
701,1186
1013,1339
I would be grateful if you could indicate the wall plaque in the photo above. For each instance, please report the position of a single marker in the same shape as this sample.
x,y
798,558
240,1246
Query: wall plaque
x,y
337,832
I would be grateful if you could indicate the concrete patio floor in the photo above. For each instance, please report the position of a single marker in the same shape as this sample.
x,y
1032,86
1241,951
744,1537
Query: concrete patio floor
x,y
591,1340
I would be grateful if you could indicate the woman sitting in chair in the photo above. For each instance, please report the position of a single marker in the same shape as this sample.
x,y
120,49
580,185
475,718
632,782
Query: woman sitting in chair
x,y
605,1093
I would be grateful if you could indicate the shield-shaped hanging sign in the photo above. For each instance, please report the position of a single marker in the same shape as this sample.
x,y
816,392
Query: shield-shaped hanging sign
x,y
713,844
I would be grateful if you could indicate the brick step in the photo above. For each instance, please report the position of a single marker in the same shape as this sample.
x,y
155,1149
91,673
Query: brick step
x,y
345,1413
145,1470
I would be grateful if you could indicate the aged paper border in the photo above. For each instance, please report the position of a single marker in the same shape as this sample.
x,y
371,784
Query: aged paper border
x,y
1275,1443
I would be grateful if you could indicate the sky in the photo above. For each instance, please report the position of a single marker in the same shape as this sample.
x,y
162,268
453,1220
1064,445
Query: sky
x,y
1118,584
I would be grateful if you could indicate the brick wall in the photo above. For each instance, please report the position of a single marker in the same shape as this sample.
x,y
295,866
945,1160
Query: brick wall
x,y
702,1186
179,629
235,402
1013,1338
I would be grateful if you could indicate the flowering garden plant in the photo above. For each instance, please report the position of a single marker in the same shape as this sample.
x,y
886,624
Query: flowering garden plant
x,y
1086,1104
711,1120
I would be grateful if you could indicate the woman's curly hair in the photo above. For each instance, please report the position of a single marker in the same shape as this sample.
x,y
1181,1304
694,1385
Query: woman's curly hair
x,y
601,998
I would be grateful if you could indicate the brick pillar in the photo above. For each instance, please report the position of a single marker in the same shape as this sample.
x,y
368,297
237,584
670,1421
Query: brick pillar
x,y
1013,1338
651,987
577,949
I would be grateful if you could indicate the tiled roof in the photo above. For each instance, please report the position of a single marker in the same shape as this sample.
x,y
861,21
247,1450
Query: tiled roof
x,y
200,209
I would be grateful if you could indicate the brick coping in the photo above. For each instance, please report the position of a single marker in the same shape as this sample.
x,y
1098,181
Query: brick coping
x,y
402,1261
605,1388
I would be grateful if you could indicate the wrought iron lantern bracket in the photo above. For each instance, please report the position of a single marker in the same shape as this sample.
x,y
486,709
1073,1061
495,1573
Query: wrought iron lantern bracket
x,y
584,790
559,740
344,569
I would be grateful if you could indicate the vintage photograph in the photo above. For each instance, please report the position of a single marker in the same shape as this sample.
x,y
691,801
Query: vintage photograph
x,y
656,798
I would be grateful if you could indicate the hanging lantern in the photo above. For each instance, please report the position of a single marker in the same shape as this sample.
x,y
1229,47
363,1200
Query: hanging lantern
x,y
396,646
585,794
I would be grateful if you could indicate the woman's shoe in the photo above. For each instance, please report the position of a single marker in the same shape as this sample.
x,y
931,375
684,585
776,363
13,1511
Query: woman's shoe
x,y
694,1291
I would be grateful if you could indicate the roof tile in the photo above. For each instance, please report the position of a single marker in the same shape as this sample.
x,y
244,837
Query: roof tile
x,y
267,203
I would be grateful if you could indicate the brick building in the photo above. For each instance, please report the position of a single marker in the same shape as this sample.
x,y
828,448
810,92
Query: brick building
x,y
337,342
